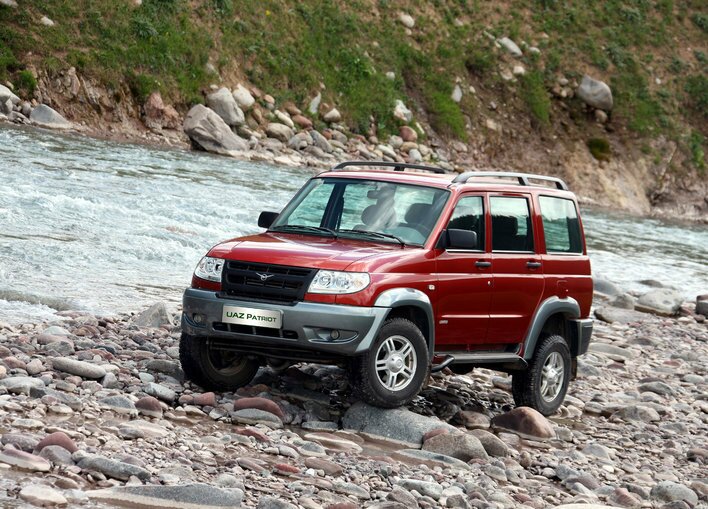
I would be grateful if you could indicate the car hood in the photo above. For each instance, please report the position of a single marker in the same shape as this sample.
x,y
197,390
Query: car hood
x,y
300,250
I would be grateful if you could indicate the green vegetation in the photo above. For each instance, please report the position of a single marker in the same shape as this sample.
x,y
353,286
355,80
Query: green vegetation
x,y
600,148
293,50
697,143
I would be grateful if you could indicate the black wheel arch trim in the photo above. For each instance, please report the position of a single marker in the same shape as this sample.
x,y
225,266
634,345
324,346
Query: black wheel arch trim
x,y
577,328
404,297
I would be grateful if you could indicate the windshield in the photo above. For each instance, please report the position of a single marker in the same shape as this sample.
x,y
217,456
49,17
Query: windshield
x,y
381,211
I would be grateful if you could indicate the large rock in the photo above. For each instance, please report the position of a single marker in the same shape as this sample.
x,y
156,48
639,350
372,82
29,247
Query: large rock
x,y
668,491
605,287
611,314
21,384
24,460
223,103
279,132
510,46
78,368
243,97
185,496
595,93
110,468
525,422
401,112
157,114
491,443
155,316
7,94
44,116
397,424
463,446
662,301
42,495
208,130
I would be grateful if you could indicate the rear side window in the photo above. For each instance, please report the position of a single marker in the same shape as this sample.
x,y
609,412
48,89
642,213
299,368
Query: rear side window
x,y
511,224
560,225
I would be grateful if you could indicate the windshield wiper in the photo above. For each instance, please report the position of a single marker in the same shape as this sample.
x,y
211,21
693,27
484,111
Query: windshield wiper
x,y
376,234
304,228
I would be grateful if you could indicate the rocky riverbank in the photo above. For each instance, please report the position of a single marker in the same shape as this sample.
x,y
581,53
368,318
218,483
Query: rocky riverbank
x,y
94,412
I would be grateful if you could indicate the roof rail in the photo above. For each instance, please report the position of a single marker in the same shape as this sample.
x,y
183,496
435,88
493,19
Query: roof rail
x,y
394,165
523,178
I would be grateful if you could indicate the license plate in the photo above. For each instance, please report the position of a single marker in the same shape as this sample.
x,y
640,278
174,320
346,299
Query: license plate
x,y
254,317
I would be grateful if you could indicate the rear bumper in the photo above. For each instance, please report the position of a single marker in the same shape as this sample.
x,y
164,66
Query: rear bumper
x,y
580,334
306,333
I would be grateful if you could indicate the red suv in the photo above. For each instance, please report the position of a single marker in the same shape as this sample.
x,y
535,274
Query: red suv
x,y
394,274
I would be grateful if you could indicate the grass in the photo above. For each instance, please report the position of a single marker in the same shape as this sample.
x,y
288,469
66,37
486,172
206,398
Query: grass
x,y
293,50
600,149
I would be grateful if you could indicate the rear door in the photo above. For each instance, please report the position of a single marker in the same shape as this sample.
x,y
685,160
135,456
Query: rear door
x,y
464,281
518,270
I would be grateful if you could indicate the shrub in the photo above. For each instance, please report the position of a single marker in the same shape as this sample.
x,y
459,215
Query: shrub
x,y
142,85
535,96
26,83
600,148
700,19
697,89
696,141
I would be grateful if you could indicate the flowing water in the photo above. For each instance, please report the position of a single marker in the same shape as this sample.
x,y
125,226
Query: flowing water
x,y
110,227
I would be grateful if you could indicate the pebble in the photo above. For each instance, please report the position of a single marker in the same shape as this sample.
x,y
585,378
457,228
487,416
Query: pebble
x,y
78,368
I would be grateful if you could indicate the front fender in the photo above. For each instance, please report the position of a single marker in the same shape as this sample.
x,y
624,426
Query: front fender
x,y
399,297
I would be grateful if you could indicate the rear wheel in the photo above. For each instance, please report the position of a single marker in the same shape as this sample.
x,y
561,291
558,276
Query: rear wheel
x,y
214,369
394,370
544,384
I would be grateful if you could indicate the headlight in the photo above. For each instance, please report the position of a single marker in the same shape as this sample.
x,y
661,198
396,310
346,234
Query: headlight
x,y
333,281
210,269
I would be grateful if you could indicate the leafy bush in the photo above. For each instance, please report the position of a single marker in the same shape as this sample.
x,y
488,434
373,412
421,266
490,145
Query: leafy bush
x,y
600,148
700,19
142,85
697,89
696,142
26,83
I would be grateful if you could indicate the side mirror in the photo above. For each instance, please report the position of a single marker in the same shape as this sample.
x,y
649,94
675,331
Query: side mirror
x,y
458,239
267,218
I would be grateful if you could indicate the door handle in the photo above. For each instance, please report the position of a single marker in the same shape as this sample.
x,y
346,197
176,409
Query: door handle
x,y
533,265
483,265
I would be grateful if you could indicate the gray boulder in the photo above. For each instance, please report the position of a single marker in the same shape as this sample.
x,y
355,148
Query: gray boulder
x,y
155,316
510,46
668,491
595,93
154,497
243,97
78,368
611,314
397,424
108,467
44,116
605,287
7,94
463,446
279,132
208,131
662,301
320,141
21,384
223,103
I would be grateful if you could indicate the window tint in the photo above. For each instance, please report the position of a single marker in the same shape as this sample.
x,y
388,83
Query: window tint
x,y
560,225
511,224
469,215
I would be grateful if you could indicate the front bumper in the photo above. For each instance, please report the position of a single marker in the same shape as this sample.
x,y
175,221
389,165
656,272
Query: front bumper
x,y
306,333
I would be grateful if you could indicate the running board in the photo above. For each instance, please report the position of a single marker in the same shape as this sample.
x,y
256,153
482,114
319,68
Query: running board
x,y
493,360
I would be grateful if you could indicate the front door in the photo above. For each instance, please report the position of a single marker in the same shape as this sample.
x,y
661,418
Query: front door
x,y
518,271
464,282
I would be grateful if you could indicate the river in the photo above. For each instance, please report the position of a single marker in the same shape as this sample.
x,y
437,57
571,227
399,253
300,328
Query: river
x,y
111,227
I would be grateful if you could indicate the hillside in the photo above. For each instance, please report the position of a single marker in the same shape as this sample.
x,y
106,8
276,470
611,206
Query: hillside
x,y
442,58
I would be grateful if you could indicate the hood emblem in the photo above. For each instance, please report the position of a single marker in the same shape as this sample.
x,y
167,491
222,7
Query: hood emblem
x,y
264,277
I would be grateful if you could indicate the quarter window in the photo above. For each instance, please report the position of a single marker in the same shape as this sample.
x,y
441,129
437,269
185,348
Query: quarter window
x,y
511,224
469,215
560,225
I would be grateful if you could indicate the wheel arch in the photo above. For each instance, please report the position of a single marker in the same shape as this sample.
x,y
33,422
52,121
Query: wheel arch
x,y
413,305
551,317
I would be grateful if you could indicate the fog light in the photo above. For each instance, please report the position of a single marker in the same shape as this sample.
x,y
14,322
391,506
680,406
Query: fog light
x,y
334,334
197,318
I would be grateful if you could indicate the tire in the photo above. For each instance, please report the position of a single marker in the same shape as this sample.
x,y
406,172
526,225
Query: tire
x,y
528,386
213,369
401,354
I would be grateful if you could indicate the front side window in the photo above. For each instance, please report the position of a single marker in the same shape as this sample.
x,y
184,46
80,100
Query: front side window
x,y
511,224
367,209
560,225
469,215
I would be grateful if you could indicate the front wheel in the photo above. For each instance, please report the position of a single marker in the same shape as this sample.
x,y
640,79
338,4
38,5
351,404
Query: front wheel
x,y
214,369
395,368
544,384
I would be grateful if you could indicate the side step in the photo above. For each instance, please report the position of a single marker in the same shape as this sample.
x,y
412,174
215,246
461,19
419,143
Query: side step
x,y
492,360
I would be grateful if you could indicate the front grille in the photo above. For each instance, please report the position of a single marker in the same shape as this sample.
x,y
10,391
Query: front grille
x,y
280,283
248,330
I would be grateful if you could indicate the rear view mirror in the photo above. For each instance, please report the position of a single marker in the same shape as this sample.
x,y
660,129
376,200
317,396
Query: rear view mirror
x,y
459,239
267,218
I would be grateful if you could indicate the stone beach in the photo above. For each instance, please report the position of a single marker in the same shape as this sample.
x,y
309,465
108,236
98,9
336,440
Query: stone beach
x,y
94,412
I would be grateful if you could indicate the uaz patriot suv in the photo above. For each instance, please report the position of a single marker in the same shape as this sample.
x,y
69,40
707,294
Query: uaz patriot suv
x,y
395,274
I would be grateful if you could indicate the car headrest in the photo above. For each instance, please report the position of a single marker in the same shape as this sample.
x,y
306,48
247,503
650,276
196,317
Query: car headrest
x,y
418,213
505,225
